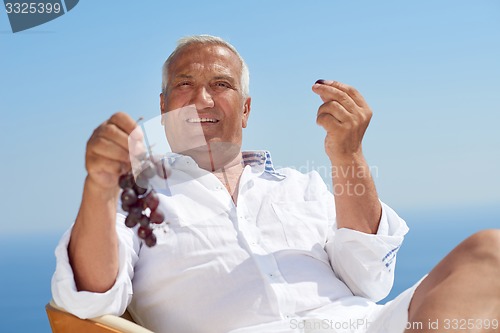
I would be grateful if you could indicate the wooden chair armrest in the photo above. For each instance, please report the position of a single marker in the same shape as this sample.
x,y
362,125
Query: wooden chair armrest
x,y
62,321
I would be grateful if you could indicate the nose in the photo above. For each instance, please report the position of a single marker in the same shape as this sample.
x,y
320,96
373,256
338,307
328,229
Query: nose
x,y
203,99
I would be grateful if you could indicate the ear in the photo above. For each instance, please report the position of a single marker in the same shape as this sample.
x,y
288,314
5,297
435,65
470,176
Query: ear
x,y
246,112
162,103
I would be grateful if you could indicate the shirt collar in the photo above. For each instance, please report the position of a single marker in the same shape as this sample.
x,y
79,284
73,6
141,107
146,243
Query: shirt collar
x,y
258,159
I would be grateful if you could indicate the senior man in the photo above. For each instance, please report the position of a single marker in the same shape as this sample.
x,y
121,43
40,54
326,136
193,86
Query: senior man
x,y
250,248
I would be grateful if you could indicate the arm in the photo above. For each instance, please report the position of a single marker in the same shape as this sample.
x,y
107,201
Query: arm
x,y
93,247
366,262
345,116
362,249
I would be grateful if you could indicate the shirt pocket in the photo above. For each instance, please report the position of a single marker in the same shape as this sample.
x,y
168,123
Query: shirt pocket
x,y
304,223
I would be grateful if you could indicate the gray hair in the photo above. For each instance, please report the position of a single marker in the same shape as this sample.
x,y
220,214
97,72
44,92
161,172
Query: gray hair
x,y
207,40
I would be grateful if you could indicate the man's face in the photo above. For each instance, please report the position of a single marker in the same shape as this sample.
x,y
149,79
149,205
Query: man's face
x,y
208,77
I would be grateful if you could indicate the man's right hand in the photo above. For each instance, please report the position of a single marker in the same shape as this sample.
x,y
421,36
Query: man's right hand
x,y
107,154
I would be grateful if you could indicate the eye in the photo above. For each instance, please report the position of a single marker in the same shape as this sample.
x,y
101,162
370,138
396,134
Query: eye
x,y
183,85
221,85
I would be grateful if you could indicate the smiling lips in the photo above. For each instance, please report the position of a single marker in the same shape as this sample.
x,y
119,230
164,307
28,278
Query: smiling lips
x,y
202,120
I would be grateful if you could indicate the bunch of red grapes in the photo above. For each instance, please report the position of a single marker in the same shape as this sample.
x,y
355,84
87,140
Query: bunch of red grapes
x,y
137,196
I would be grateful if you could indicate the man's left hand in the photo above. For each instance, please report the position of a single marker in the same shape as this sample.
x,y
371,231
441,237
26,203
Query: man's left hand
x,y
344,115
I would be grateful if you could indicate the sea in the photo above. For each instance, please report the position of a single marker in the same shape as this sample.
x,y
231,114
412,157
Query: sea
x,y
27,261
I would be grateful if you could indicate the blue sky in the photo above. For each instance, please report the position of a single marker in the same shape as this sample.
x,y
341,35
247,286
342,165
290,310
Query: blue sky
x,y
429,69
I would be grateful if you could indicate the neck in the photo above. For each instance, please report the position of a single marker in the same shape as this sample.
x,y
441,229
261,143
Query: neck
x,y
215,156
224,160
230,175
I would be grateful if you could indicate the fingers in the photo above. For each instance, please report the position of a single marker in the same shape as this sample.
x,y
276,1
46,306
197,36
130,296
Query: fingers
x,y
342,102
112,134
109,148
98,164
107,155
120,127
344,115
332,114
123,121
346,95
110,140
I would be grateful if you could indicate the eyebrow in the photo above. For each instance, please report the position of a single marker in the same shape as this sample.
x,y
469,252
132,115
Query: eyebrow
x,y
217,77
184,76
224,77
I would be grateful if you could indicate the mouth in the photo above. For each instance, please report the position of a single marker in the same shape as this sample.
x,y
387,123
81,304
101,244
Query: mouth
x,y
202,120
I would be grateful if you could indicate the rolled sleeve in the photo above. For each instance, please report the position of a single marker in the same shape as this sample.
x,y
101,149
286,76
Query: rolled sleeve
x,y
366,262
84,304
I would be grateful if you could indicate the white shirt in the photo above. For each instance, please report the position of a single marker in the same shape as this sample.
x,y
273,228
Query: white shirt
x,y
272,259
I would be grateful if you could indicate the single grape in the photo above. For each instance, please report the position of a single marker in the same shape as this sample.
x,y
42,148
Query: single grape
x,y
130,221
143,232
129,197
126,181
151,200
156,217
140,203
144,221
125,207
141,189
150,240
135,211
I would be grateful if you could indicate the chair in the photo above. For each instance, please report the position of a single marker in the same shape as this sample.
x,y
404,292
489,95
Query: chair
x,y
64,322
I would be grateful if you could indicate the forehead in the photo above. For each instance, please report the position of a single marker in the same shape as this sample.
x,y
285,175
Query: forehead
x,y
198,58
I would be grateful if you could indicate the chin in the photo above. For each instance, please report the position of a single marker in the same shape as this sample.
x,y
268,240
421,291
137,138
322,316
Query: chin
x,y
215,155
